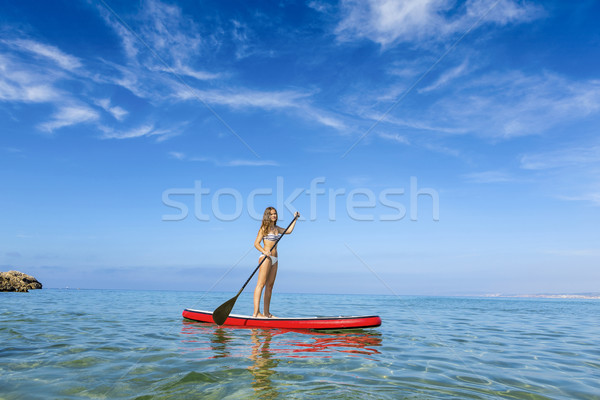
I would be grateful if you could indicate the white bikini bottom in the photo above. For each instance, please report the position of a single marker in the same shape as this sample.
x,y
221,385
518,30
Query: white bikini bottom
x,y
273,260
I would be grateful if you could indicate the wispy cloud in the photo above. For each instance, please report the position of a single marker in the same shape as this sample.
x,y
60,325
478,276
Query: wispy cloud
x,y
185,70
488,177
319,6
67,116
505,12
65,61
241,36
250,163
447,76
418,123
393,137
177,155
144,130
566,157
160,52
246,41
593,198
166,36
116,111
43,82
508,105
169,31
389,22
573,172
223,163
496,106
296,101
322,117
243,98
174,40
21,84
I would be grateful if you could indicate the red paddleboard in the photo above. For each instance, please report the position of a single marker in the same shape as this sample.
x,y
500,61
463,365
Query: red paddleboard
x,y
320,323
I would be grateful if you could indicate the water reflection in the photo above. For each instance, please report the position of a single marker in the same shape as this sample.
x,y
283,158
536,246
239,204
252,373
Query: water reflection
x,y
263,364
219,341
267,348
226,341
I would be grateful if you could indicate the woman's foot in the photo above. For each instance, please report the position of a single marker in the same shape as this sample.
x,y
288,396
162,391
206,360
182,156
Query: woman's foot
x,y
269,315
259,315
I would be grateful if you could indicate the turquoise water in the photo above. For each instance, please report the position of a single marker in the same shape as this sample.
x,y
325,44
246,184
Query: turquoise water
x,y
77,344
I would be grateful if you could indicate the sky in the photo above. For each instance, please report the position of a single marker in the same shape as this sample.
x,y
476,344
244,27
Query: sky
x,y
432,147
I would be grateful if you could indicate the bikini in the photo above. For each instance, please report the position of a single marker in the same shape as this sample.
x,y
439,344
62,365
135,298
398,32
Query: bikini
x,y
271,237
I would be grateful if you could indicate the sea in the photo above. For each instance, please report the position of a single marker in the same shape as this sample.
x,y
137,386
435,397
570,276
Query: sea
x,y
120,344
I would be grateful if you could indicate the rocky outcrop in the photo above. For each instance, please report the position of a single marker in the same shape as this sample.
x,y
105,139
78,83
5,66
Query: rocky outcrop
x,y
15,281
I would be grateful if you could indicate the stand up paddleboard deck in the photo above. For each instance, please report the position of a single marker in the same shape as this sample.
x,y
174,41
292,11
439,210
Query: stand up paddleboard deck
x,y
313,323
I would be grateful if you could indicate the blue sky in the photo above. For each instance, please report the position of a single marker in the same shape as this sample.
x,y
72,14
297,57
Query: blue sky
x,y
451,147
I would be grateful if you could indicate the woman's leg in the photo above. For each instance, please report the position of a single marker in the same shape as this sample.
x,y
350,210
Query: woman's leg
x,y
263,273
269,288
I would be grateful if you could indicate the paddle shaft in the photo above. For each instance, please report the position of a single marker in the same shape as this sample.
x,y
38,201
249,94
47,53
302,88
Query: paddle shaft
x,y
261,261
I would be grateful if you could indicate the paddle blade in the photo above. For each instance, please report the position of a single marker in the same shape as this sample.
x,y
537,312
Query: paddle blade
x,y
223,311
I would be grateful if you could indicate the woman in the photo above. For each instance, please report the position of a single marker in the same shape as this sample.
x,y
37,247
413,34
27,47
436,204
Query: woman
x,y
268,233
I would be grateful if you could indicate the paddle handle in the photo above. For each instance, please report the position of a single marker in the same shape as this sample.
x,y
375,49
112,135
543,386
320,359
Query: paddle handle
x,y
261,261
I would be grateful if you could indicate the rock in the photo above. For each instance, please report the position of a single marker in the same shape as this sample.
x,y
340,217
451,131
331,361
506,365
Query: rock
x,y
15,281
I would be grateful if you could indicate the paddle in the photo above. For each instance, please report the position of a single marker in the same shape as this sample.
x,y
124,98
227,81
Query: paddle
x,y
222,312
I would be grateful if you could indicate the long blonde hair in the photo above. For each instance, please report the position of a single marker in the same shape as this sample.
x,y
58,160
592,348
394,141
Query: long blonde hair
x,y
266,221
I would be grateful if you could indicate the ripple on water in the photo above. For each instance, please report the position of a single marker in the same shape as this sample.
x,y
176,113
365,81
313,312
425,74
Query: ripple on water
x,y
427,348
83,362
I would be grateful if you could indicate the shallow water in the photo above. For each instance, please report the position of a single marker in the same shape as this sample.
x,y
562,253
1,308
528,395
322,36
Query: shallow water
x,y
75,344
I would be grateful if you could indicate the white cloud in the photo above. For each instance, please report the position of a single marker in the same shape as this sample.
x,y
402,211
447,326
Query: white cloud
x,y
166,37
593,198
140,131
391,21
245,97
324,119
576,156
267,100
174,45
573,172
385,21
9,91
513,104
488,177
496,106
67,116
225,163
393,137
415,123
247,42
505,11
169,31
447,76
52,53
250,163
177,155
188,71
117,112
136,81
240,35
319,6
22,84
